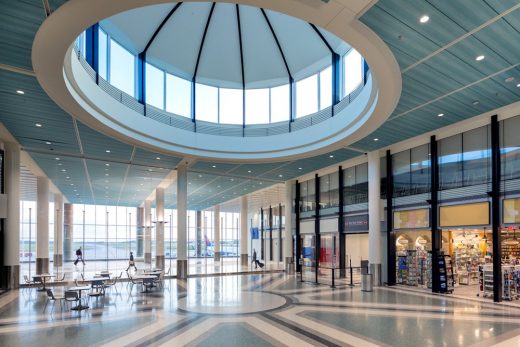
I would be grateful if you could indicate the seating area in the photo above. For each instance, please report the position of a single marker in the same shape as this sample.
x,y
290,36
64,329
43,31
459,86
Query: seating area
x,y
81,291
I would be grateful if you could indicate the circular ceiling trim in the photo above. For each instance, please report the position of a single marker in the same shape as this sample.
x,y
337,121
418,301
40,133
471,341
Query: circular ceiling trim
x,y
52,63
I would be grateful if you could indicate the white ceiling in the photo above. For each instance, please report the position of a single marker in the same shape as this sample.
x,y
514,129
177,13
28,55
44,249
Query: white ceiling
x,y
176,45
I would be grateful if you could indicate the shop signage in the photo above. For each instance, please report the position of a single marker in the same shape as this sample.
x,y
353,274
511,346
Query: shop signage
x,y
254,233
412,219
356,224
464,215
511,211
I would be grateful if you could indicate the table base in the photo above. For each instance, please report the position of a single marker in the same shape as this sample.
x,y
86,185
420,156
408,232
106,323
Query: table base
x,y
79,307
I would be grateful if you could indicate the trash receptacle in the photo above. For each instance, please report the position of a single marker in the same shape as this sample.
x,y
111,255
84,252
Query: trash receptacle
x,y
367,282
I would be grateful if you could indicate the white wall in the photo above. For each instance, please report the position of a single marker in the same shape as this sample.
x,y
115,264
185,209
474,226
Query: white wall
x,y
356,248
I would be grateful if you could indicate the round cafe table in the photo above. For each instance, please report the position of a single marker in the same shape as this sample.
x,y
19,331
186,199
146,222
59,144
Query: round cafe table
x,y
79,289
147,281
44,278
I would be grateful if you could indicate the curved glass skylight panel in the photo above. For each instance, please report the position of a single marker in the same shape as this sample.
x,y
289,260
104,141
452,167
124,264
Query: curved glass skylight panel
x,y
280,103
326,88
122,68
103,54
257,106
178,95
154,86
307,96
206,103
353,70
231,106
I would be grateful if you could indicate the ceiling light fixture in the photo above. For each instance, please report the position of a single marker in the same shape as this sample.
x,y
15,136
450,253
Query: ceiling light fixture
x,y
480,58
376,139
213,166
48,143
518,85
158,158
57,158
299,168
107,164
331,156
476,102
38,125
440,115
107,151
21,92
424,19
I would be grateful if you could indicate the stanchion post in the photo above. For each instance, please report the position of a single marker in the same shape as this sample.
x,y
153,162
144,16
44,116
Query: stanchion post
x,y
333,286
351,281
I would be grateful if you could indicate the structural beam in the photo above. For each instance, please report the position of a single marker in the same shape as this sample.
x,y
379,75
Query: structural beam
x,y
391,252
434,215
495,209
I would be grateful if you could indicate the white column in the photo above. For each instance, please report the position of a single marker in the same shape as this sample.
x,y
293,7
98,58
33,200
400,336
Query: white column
x,y
159,234
42,225
182,232
11,271
374,218
147,232
216,231
58,230
244,259
288,240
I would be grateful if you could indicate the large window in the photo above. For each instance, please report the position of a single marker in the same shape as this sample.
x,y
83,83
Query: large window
x,y
122,68
355,181
257,106
353,71
103,54
307,96
329,193
178,95
231,106
154,86
510,147
326,88
206,103
280,107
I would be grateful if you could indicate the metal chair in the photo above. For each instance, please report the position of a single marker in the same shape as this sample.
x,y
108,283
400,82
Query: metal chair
x,y
62,279
71,296
53,298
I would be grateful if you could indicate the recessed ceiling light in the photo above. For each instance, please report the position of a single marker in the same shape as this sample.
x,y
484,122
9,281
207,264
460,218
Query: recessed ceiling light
x,y
68,177
59,164
509,79
479,58
107,164
158,158
108,151
376,139
249,171
150,170
21,92
476,102
331,156
63,170
299,168
72,184
57,158
213,166
440,115
424,19
38,125
48,143
518,85
280,175
107,174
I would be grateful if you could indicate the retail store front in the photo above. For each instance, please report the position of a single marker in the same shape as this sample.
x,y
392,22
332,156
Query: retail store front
x,y
468,243
413,247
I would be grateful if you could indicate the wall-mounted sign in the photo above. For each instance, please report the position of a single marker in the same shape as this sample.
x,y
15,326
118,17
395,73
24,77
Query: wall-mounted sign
x,y
355,224
511,211
464,215
412,219
255,234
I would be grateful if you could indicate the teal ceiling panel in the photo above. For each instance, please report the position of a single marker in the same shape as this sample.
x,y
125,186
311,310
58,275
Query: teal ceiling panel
x,y
144,157
498,38
99,145
19,22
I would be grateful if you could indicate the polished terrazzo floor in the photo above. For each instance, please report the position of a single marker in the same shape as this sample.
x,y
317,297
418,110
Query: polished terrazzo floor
x,y
257,310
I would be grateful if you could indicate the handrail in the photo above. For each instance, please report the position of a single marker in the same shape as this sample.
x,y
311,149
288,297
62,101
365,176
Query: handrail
x,y
232,130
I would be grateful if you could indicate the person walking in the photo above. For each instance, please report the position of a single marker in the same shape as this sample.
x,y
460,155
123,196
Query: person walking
x,y
79,256
254,259
131,262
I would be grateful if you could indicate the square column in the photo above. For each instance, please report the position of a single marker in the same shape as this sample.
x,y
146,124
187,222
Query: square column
x,y
68,228
159,224
182,232
58,230
288,243
42,225
11,252
216,232
374,223
244,258
147,232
